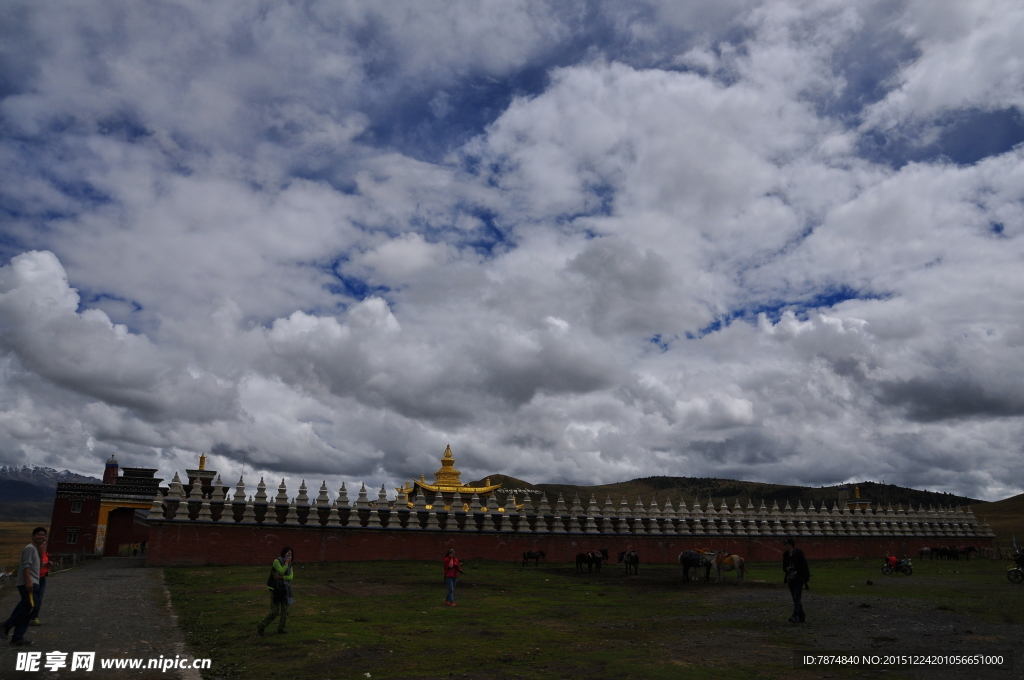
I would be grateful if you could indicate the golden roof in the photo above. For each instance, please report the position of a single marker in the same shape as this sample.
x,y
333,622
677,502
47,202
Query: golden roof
x,y
446,480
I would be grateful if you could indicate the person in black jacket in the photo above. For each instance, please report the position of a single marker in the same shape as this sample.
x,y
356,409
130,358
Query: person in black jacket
x,y
787,559
797,574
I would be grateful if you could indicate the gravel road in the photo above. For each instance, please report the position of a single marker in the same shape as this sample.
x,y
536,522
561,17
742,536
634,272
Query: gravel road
x,y
114,607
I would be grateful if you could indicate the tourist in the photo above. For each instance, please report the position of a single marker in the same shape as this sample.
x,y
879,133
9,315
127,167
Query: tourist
x,y
786,562
797,574
44,569
28,587
451,575
280,585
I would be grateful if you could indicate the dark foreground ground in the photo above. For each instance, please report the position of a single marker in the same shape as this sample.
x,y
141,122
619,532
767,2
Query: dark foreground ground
x,y
114,607
387,620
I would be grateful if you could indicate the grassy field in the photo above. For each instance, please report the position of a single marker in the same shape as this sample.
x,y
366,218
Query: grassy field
x,y
387,620
14,536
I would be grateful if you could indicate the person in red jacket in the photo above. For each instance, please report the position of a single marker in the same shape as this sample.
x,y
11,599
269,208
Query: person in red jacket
x,y
44,569
451,574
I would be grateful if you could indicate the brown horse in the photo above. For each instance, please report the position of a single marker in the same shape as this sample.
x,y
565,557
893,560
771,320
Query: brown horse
x,y
592,559
631,559
535,555
966,551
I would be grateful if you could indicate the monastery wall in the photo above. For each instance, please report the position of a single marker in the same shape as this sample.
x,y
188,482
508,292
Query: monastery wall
x,y
208,527
200,543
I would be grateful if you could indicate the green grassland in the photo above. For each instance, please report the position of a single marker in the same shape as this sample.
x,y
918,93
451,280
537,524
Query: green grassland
x,y
387,619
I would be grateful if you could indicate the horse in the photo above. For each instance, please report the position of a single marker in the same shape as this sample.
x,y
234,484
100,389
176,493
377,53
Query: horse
x,y
966,551
723,561
690,559
707,560
924,552
631,559
592,559
534,555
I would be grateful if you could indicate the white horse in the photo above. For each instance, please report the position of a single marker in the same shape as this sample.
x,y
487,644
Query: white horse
x,y
723,561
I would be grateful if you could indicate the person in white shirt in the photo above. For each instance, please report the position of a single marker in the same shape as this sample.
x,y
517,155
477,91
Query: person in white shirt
x,y
28,588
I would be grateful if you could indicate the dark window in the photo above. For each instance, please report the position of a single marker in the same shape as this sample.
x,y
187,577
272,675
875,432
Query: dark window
x,y
76,506
72,534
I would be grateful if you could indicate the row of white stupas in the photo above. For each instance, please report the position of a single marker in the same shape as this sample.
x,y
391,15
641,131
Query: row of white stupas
x,y
618,518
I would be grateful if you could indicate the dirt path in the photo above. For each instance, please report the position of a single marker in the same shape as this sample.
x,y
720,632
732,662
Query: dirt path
x,y
114,607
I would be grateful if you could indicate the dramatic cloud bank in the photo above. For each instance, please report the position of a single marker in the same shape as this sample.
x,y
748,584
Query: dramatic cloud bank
x,y
778,240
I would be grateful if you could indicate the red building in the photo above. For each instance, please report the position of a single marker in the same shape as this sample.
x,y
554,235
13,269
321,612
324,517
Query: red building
x,y
104,519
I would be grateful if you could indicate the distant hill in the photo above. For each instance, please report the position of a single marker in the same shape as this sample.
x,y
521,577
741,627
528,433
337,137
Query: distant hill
x,y
27,492
1006,517
692,489
13,491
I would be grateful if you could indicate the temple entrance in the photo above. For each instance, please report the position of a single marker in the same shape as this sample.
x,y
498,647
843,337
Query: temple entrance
x,y
127,533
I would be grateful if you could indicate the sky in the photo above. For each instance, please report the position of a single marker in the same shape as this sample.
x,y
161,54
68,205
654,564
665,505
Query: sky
x,y
580,242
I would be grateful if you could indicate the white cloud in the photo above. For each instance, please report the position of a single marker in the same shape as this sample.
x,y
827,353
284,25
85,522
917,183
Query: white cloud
x,y
970,57
330,239
394,261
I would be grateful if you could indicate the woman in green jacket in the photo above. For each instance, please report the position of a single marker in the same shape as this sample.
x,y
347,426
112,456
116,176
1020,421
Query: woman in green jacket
x,y
280,585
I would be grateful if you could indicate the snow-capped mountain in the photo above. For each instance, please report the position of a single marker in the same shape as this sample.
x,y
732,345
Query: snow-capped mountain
x,y
42,476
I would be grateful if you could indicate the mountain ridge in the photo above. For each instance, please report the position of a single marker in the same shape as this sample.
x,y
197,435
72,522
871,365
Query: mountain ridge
x,y
43,476
27,491
1005,517
703,489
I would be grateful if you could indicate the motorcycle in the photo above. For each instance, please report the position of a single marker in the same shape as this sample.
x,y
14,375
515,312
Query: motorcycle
x,y
899,567
1016,572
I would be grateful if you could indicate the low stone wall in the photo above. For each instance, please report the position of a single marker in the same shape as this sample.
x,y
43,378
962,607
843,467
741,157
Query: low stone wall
x,y
197,543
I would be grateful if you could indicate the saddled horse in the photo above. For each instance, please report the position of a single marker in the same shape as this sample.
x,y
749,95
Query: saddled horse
x,y
722,561
631,559
535,555
690,559
592,559
924,552
707,560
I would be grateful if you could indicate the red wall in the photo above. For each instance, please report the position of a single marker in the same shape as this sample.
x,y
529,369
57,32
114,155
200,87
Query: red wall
x,y
192,543
63,517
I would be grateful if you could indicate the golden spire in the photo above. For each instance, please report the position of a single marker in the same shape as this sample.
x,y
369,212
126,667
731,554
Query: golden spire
x,y
202,461
448,476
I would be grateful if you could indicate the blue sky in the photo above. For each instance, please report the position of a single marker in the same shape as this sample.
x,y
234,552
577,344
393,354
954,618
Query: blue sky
x,y
584,242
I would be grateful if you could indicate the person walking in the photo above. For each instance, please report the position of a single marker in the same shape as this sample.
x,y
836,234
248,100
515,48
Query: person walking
x,y
44,570
452,569
280,585
797,574
787,558
28,587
